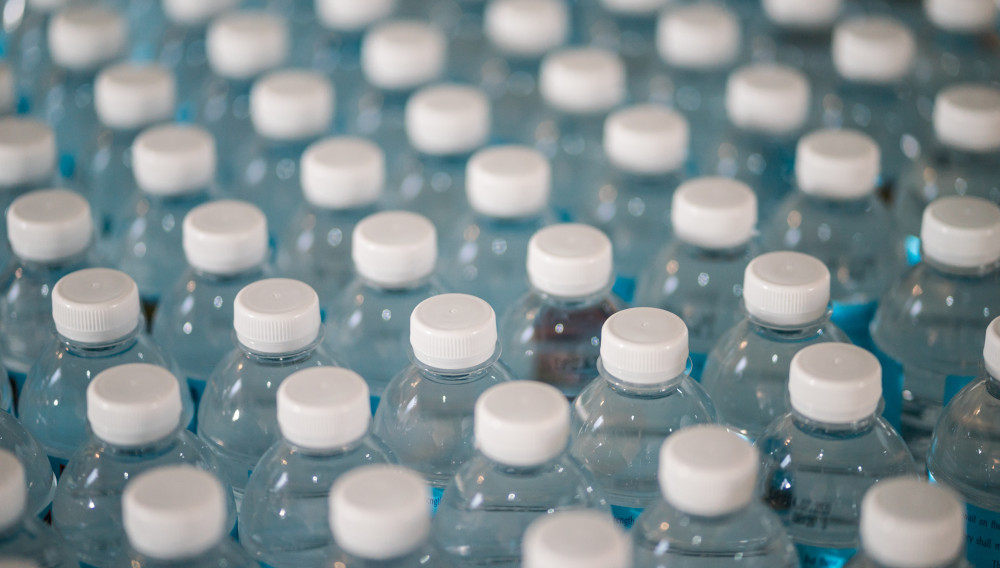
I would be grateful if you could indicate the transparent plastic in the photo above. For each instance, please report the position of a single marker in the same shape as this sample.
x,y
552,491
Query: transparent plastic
x,y
107,181
223,108
65,101
30,540
266,173
226,554
700,95
573,145
16,439
433,186
426,555
764,162
181,49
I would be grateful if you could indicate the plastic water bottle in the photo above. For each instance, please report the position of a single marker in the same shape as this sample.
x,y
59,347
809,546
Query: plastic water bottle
x,y
960,162
835,216
768,108
821,457
289,109
427,409
553,332
379,517
51,234
27,160
698,274
278,332
445,123
99,326
394,254
21,535
508,192
176,516
225,244
932,320
963,451
642,396
325,422
646,149
798,33
342,180
521,472
40,480
174,169
134,414
933,521
786,297
575,539
627,27
709,513
26,45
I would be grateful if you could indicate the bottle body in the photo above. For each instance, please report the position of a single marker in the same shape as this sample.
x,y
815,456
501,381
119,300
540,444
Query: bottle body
x,y
223,108
108,183
64,100
266,173
764,162
573,145
181,49
226,554
427,555
16,439
433,186
33,541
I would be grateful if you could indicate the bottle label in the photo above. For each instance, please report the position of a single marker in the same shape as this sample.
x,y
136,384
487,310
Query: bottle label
x,y
912,244
953,384
626,516
854,320
436,493
982,534
819,557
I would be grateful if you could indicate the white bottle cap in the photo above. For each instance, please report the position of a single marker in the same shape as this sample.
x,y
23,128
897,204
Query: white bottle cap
x,y
698,36
291,104
569,260
134,404
95,305
837,164
583,80
445,120
403,54
708,471
27,152
873,50
49,225
521,423
276,315
576,539
835,383
786,288
342,173
394,248
324,408
352,15
644,346
634,7
768,98
242,45
8,97
967,117
961,16
453,331
803,14
527,28
85,37
195,12
991,348
911,523
379,512
174,512
714,212
13,490
225,237
508,181
128,96
646,139
174,159
963,232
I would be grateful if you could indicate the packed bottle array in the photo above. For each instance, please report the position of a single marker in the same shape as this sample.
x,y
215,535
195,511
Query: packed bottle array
x,y
348,283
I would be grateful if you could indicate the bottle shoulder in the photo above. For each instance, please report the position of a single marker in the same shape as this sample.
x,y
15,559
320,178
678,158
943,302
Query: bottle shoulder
x,y
289,471
606,404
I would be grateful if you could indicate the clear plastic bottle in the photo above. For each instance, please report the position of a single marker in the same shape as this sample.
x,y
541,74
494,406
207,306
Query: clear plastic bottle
x,y
521,471
289,109
174,167
27,160
553,332
134,414
427,409
786,296
642,396
22,536
575,539
797,33
698,273
26,46
175,516
278,332
627,27
821,457
907,523
394,255
964,450
931,321
342,180
379,519
709,514
51,233
225,244
98,326
40,479
835,216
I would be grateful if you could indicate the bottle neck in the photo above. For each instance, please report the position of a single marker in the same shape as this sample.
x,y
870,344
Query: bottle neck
x,y
144,450
574,302
656,389
102,349
962,271
283,357
790,332
463,375
832,429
